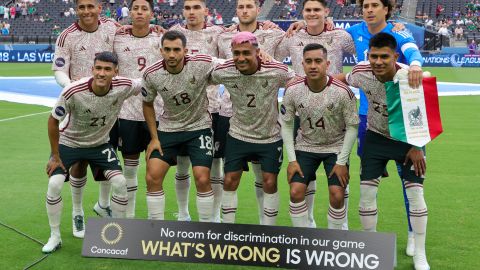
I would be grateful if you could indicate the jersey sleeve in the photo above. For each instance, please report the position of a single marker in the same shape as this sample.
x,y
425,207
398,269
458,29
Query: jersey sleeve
x,y
349,110
287,76
148,90
61,108
354,78
61,61
348,44
282,50
409,48
287,109
136,88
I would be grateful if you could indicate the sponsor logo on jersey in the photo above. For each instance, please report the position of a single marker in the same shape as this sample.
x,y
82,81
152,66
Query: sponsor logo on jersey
x,y
144,92
127,49
60,62
235,86
301,106
360,39
82,49
88,111
301,44
164,89
283,110
60,111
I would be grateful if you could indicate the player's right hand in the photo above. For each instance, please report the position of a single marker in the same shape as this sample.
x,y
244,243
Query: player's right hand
x,y
152,146
53,163
292,169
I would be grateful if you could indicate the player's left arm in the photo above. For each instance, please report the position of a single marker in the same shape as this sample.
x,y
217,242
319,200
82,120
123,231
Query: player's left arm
x,y
411,52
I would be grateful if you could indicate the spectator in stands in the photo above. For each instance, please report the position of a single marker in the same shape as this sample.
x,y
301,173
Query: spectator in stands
x,y
443,31
5,30
458,32
24,10
119,13
66,13
125,14
108,13
31,9
2,10
6,13
218,19
72,11
439,10
56,30
472,47
235,19
429,23
13,12
112,3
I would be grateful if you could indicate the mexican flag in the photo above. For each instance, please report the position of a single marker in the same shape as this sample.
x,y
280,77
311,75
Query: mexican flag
x,y
413,114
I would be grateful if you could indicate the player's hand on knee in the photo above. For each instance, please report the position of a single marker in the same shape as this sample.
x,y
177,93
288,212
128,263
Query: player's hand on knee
x,y
295,27
341,171
152,146
292,169
418,160
53,164
415,76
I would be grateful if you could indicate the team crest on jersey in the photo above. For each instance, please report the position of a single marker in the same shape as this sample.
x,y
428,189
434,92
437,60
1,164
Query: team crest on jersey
x,y
60,62
265,84
261,40
283,109
60,111
330,107
330,41
209,40
144,92
115,102
193,80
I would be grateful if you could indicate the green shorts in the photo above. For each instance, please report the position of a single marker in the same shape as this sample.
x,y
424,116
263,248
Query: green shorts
x,y
134,136
268,155
198,145
100,158
222,125
378,150
309,163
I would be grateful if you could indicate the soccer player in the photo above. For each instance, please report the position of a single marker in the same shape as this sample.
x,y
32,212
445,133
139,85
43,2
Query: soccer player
x,y
375,15
254,131
337,42
379,147
268,39
201,39
136,48
75,50
181,80
91,106
328,129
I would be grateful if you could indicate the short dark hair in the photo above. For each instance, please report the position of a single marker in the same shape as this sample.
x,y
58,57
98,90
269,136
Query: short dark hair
x,y
76,2
386,3
173,35
381,40
257,3
107,57
150,3
323,2
314,47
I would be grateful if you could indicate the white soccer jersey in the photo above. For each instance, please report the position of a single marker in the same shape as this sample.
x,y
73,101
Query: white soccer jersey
x,y
135,54
336,42
90,117
204,41
76,49
268,41
254,100
323,115
184,94
377,116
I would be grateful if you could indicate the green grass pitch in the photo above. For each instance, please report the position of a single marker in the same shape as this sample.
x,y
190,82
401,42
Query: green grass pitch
x,y
451,191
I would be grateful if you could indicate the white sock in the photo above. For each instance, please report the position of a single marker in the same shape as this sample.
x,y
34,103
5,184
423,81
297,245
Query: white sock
x,y
270,208
54,203
119,199
229,206
368,205
104,193
130,173
336,217
205,206
257,171
418,214
298,214
345,203
77,185
156,205
216,180
310,199
182,185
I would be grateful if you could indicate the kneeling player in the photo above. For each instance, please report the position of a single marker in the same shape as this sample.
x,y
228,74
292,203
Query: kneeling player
x,y
379,147
93,105
328,129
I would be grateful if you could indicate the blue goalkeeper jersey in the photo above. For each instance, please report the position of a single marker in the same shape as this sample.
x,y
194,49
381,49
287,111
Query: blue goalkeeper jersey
x,y
406,48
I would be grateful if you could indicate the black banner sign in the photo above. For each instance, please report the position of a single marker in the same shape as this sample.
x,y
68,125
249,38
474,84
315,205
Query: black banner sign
x,y
256,245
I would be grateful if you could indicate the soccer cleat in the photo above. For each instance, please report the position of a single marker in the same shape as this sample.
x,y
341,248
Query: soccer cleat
x,y
103,212
420,262
78,226
54,243
410,250
185,218
312,224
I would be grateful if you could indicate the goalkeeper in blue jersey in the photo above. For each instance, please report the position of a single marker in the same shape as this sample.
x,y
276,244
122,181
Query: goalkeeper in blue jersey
x,y
375,15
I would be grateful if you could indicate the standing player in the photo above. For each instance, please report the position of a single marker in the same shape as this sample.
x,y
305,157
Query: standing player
x,y
201,39
92,105
181,80
136,48
375,15
268,40
75,50
328,129
337,42
379,147
254,131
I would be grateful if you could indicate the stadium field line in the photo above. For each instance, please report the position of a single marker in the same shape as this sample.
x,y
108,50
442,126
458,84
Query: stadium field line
x,y
22,116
